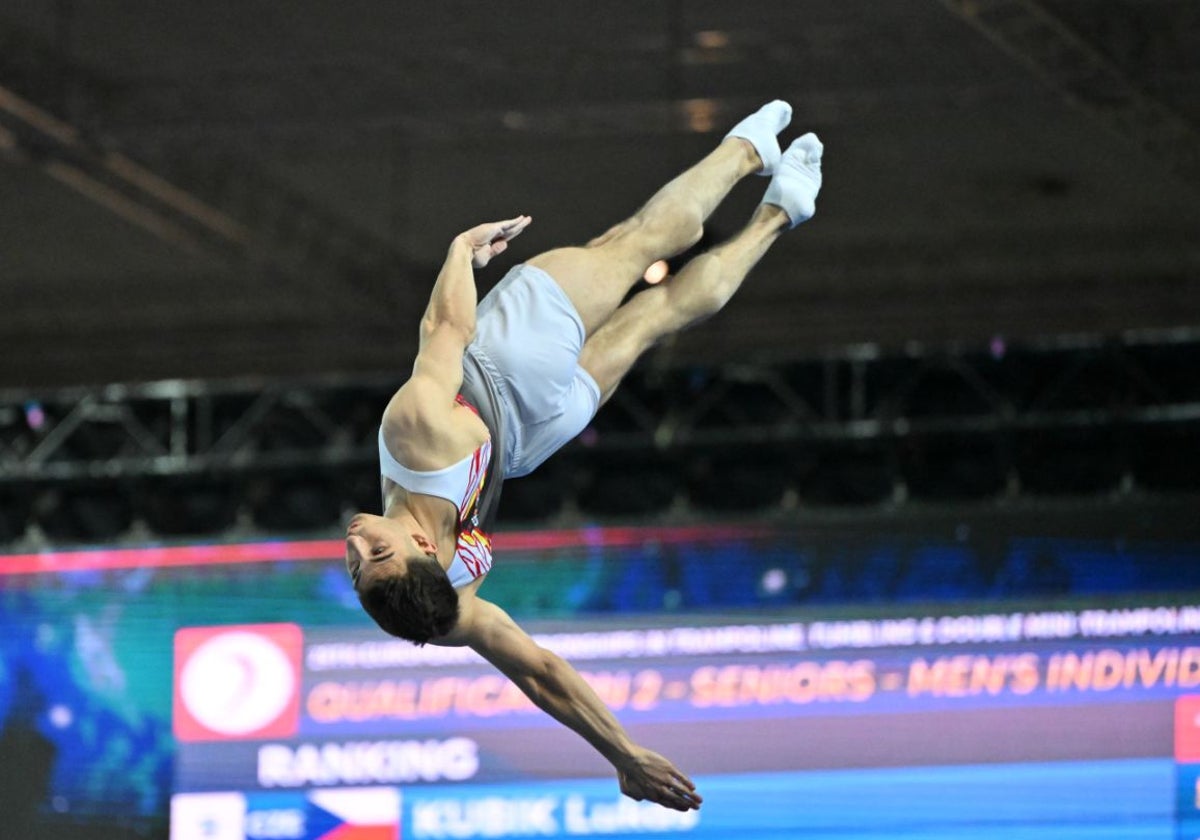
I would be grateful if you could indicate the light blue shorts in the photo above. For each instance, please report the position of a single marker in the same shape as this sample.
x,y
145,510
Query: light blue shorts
x,y
528,337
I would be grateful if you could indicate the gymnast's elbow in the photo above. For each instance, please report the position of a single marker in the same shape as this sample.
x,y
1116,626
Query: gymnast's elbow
x,y
449,326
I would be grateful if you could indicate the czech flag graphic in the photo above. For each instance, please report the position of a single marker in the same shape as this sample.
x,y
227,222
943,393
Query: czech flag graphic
x,y
355,814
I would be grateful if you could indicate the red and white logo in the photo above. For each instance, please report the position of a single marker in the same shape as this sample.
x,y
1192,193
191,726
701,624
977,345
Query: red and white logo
x,y
237,682
1187,729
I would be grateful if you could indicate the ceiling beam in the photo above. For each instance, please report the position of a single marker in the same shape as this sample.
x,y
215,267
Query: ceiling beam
x,y
198,201
1069,63
109,179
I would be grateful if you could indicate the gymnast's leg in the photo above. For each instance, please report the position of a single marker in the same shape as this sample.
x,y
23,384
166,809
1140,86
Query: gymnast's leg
x,y
706,283
597,277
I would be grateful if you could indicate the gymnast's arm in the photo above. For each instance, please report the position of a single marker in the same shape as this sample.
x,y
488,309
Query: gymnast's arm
x,y
448,325
558,689
452,303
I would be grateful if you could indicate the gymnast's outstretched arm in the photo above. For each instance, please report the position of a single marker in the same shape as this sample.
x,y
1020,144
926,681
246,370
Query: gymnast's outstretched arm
x,y
453,299
448,324
558,689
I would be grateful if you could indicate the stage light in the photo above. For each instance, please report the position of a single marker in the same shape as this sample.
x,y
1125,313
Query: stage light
x,y
997,347
773,581
35,415
700,115
60,716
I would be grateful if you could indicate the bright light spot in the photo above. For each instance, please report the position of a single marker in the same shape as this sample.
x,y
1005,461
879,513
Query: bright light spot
x,y
35,415
773,581
701,115
61,716
656,273
712,39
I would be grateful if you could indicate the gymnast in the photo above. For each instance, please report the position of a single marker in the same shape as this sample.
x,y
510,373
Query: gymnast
x,y
498,387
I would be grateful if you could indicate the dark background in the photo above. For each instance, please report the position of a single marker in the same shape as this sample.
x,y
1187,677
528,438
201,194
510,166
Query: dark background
x,y
1005,167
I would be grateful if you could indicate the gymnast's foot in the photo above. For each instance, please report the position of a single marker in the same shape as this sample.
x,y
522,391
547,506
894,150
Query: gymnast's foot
x,y
797,180
760,129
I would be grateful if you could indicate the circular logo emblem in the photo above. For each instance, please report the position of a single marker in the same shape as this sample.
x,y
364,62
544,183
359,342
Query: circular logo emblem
x,y
237,683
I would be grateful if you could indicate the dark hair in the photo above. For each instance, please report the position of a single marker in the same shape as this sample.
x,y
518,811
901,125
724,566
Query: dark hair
x,y
418,605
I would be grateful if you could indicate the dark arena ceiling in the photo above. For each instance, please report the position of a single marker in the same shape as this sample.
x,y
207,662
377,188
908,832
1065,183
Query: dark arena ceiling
x,y
243,188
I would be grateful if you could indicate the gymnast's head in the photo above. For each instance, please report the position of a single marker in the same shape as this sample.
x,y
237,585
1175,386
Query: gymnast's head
x,y
398,578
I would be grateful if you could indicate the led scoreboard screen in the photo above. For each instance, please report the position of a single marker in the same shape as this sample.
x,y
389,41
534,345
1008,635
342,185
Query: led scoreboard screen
x,y
1065,723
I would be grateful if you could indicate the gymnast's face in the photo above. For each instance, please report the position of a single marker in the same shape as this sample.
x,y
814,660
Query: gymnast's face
x,y
378,547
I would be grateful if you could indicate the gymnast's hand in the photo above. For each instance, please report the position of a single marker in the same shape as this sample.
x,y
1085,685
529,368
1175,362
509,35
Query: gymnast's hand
x,y
646,775
488,240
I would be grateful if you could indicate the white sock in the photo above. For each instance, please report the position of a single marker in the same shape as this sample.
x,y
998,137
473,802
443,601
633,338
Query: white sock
x,y
798,179
760,129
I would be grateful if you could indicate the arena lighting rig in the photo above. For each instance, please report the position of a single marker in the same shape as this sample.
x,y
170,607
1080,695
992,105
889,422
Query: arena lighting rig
x,y
1076,416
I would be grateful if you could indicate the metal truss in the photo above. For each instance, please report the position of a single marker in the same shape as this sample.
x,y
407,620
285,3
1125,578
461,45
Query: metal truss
x,y
191,428
187,428
860,394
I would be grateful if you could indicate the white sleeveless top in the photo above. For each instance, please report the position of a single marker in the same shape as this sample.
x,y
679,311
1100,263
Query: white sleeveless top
x,y
460,484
